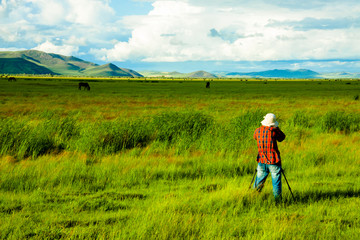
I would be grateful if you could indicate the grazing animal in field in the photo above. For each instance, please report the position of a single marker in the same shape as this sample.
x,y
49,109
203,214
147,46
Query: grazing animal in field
x,y
85,85
207,84
12,79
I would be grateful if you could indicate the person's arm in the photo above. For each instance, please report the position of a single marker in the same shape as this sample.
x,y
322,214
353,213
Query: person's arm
x,y
280,136
255,134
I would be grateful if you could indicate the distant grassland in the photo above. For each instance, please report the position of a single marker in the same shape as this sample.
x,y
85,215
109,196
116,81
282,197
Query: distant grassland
x,y
170,159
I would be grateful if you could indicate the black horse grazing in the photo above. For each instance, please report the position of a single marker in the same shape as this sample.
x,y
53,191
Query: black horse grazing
x,y
12,79
85,85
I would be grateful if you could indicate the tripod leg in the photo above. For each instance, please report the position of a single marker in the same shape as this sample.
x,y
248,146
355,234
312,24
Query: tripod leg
x,y
253,179
288,184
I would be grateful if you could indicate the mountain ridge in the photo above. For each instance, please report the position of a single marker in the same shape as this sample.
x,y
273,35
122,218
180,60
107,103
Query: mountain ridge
x,y
174,74
14,65
201,74
275,73
59,65
38,62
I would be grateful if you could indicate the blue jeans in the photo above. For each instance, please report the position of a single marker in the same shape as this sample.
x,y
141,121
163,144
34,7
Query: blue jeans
x,y
262,173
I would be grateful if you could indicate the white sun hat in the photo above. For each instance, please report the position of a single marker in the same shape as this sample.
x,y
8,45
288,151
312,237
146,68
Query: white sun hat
x,y
270,120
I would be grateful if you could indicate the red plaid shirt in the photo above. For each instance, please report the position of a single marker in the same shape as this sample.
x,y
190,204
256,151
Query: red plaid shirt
x,y
267,137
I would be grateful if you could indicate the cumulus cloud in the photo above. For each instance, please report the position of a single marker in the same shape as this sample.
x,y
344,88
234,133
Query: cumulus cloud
x,y
41,23
49,47
3,7
186,30
240,30
75,41
167,33
48,12
89,12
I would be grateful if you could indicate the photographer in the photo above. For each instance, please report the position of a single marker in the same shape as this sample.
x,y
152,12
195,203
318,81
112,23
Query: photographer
x,y
268,157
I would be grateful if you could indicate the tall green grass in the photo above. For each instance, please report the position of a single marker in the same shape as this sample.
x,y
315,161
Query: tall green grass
x,y
181,130
172,126
175,161
22,140
111,137
341,121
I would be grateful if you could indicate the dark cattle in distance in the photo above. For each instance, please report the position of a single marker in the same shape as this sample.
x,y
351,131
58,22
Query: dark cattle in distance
x,y
207,84
12,79
85,85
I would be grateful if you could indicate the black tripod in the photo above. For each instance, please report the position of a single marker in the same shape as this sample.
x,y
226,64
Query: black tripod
x,y
282,171
252,180
288,184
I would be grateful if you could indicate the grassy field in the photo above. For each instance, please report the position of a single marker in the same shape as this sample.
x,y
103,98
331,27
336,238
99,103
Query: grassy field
x,y
156,159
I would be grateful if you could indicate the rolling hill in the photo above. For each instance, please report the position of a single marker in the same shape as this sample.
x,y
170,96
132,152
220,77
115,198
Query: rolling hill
x,y
57,64
38,62
20,65
197,74
108,70
162,74
201,74
276,73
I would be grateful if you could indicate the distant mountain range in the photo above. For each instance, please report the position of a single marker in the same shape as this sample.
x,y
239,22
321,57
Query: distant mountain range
x,y
276,73
286,73
37,62
341,75
197,74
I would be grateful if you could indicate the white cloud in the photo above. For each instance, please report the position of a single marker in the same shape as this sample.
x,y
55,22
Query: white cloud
x,y
183,30
49,47
49,12
76,41
161,34
89,12
3,7
239,30
84,12
173,8
57,26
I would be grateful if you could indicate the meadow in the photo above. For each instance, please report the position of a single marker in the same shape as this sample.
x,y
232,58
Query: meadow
x,y
170,159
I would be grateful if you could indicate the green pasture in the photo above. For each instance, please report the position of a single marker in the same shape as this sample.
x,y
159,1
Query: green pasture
x,y
171,159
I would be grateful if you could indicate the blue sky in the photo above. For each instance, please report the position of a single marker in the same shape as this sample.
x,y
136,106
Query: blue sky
x,y
190,35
